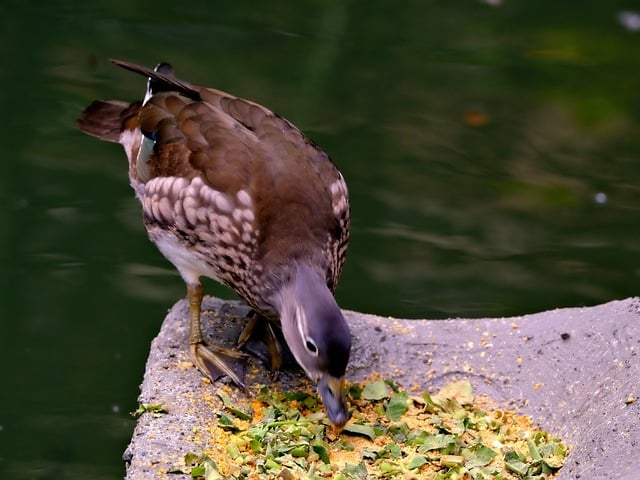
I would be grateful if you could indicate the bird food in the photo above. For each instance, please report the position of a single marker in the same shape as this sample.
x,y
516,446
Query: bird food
x,y
392,433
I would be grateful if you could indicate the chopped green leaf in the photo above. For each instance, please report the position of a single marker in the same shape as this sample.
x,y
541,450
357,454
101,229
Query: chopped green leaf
x,y
375,391
397,406
533,450
202,466
300,451
435,442
460,391
322,452
550,449
256,445
389,468
360,429
390,451
355,391
198,471
226,422
156,409
233,451
392,385
515,462
417,462
229,405
430,405
356,472
478,455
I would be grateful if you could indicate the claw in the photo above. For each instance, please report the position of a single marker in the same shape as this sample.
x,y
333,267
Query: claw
x,y
214,362
249,328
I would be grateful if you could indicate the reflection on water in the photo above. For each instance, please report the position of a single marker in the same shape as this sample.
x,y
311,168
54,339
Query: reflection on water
x,y
63,460
491,150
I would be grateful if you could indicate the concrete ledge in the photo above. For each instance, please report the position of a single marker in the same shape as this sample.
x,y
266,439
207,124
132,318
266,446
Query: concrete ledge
x,y
573,370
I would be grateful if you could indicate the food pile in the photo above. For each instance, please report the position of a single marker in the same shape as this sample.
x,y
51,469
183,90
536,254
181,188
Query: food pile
x,y
392,434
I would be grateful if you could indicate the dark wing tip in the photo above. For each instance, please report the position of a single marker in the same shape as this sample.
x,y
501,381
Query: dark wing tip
x,y
163,69
162,78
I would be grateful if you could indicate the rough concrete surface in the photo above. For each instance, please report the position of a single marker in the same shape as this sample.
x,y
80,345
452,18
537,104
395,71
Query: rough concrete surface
x,y
575,371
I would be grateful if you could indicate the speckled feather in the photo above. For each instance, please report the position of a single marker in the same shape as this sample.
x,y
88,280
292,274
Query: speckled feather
x,y
229,189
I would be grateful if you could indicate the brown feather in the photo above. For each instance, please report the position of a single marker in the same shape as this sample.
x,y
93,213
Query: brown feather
x,y
106,119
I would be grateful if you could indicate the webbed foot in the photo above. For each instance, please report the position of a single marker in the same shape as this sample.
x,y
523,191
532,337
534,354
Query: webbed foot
x,y
214,362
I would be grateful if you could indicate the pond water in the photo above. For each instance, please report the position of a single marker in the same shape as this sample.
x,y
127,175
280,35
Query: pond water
x,y
491,150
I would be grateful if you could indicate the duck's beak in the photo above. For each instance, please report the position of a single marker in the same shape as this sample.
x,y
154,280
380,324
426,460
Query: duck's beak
x,y
331,390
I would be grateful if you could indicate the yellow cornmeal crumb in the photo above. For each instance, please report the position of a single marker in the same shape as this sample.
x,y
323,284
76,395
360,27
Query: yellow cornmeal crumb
x,y
182,365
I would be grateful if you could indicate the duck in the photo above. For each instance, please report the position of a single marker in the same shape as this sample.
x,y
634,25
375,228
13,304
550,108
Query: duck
x,y
231,191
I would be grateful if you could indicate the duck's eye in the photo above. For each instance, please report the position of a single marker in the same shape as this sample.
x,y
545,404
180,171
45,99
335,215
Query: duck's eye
x,y
311,347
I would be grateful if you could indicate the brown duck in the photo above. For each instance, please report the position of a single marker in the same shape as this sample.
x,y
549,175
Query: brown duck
x,y
231,191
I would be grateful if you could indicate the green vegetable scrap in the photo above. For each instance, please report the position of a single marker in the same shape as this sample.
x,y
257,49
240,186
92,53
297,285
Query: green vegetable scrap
x,y
201,466
155,409
392,434
229,404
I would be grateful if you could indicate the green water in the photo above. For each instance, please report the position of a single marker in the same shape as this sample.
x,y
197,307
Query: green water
x,y
492,155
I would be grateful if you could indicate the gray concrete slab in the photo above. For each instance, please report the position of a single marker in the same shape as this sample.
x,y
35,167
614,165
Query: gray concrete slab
x,y
572,370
